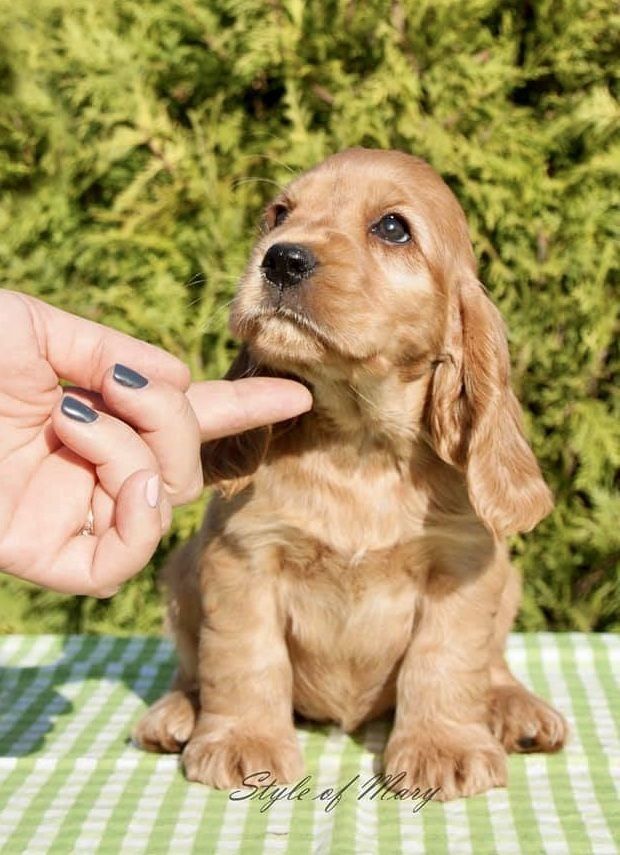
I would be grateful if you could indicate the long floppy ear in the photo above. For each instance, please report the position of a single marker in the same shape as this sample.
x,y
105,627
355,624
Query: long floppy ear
x,y
475,418
229,463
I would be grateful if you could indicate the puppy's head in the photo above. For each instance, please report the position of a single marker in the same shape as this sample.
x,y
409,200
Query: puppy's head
x,y
351,268
365,268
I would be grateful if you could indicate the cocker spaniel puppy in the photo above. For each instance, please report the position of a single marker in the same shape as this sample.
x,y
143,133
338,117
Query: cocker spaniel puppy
x,y
354,560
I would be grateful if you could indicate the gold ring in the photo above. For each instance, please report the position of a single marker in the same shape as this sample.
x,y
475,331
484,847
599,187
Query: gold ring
x,y
89,526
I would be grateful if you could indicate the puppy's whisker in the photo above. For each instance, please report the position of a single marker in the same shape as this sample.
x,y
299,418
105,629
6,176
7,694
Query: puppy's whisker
x,y
196,301
254,370
224,277
357,394
271,159
196,279
215,315
259,179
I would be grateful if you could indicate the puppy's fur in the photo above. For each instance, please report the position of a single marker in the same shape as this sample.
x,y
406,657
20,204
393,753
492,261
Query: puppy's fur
x,y
355,560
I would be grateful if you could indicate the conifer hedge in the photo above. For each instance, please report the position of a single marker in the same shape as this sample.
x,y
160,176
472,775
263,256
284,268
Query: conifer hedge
x,y
140,138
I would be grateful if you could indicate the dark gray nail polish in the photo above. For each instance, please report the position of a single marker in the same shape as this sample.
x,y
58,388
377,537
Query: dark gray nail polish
x,y
78,411
128,377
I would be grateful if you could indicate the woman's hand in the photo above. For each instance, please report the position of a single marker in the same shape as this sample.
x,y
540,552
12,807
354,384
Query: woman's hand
x,y
88,475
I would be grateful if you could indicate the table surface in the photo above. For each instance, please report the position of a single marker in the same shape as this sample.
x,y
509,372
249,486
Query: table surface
x,y
71,782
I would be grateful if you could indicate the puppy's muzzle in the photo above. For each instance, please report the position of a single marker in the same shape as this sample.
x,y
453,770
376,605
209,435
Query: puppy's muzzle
x,y
287,264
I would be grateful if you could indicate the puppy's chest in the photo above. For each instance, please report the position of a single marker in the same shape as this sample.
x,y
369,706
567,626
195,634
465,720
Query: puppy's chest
x,y
348,625
351,561
353,511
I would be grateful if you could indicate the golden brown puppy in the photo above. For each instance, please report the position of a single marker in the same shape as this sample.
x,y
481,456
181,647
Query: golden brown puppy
x,y
356,561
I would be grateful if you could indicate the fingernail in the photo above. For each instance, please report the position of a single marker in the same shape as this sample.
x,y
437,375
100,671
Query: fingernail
x,y
152,491
128,377
77,411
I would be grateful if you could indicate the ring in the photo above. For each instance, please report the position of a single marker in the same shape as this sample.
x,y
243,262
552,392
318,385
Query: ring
x,y
88,528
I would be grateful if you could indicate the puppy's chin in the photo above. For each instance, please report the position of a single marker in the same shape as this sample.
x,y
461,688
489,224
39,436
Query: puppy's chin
x,y
281,339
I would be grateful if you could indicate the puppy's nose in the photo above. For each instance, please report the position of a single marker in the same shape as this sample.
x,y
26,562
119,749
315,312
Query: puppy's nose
x,y
286,264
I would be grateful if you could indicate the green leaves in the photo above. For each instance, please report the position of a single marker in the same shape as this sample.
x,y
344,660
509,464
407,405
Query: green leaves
x,y
140,140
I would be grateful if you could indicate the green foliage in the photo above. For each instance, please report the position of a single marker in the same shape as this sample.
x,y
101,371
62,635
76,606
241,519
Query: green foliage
x,y
140,138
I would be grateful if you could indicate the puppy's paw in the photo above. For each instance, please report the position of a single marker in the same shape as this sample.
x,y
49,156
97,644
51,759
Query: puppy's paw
x,y
461,760
225,760
524,723
167,726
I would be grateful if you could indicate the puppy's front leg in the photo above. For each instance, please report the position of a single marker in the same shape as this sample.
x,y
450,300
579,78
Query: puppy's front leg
x,y
440,736
245,725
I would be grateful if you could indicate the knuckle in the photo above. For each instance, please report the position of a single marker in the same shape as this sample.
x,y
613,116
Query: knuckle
x,y
180,408
188,494
197,489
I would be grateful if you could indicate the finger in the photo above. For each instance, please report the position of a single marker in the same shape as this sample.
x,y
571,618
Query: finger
x,y
93,400
225,407
53,507
108,443
103,510
97,566
81,351
103,504
163,416
17,467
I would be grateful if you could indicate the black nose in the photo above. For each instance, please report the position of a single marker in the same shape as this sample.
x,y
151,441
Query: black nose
x,y
286,264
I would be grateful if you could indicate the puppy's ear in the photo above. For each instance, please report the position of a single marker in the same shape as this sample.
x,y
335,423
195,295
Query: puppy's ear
x,y
229,463
475,418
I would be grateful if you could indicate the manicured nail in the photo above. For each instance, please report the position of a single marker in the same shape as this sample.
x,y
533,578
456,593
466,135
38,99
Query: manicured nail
x,y
152,491
128,377
78,411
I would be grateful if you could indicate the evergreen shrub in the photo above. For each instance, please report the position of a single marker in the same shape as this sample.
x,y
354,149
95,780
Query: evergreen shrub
x,y
139,140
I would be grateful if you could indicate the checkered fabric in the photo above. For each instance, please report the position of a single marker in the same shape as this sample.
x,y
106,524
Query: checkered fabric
x,y
70,782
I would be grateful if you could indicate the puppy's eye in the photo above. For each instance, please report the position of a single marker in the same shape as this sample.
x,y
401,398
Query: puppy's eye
x,y
280,214
392,228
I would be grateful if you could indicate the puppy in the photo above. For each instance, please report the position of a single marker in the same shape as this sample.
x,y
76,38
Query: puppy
x,y
354,560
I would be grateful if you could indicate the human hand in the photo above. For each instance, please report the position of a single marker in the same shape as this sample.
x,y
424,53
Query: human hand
x,y
123,448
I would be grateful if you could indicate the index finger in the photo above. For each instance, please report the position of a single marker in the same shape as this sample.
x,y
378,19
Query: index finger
x,y
225,407
81,351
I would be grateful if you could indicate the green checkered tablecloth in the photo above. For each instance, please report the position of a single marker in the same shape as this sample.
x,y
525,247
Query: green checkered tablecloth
x,y
70,782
